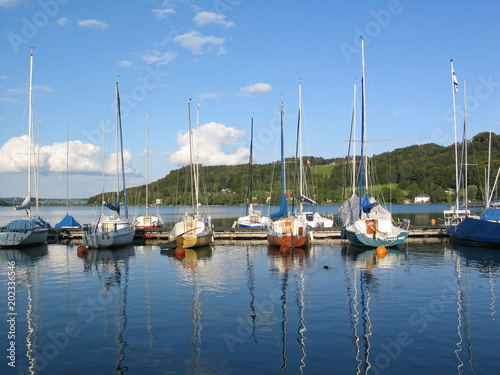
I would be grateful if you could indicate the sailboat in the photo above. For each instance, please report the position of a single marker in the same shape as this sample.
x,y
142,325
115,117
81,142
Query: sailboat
x,y
112,230
253,218
313,219
483,230
290,230
193,229
67,221
147,221
365,221
455,215
33,230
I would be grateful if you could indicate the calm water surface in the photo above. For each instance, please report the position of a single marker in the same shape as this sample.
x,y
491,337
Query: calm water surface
x,y
425,308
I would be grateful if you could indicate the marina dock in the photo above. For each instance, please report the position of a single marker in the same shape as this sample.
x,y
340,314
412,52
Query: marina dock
x,y
235,235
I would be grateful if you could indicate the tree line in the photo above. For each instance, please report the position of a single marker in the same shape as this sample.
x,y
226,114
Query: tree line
x,y
400,175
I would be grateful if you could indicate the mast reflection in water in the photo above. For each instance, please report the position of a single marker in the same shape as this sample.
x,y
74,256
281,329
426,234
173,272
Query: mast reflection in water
x,y
252,309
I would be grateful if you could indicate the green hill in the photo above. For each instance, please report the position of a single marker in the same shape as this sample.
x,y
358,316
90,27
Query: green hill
x,y
402,174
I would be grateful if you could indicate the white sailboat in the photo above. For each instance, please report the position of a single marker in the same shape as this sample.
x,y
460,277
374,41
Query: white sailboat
x,y
147,221
313,219
455,215
194,229
365,221
112,230
253,218
33,230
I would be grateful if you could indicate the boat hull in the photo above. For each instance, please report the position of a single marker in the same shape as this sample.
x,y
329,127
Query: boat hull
x,y
108,233
28,238
476,232
363,239
189,233
289,232
287,240
189,241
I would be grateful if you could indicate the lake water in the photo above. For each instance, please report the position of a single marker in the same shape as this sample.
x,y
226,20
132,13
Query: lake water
x,y
427,307
223,216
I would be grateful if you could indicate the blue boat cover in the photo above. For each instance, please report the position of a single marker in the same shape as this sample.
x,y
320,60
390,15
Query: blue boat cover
x,y
491,214
67,221
24,224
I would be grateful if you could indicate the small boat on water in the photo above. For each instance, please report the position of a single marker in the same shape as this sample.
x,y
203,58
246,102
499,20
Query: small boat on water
x,y
33,230
193,229
112,230
365,221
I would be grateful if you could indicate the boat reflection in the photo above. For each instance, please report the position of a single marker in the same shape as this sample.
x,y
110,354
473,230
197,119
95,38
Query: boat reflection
x,y
290,264
27,271
112,269
487,261
361,283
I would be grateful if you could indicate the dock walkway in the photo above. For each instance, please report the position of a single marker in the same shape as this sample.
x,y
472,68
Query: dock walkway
x,y
233,235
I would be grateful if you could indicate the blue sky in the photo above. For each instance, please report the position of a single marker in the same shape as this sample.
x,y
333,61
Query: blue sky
x,y
234,59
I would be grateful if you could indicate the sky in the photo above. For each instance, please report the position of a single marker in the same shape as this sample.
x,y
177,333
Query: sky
x,y
233,60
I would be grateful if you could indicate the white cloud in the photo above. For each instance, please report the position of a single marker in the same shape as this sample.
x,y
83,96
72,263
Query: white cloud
x,y
125,63
215,145
162,13
93,24
84,158
160,58
206,18
3,77
62,21
256,89
195,42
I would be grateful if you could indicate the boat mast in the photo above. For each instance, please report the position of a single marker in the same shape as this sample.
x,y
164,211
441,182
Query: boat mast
x,y
120,139
30,133
147,161
465,141
454,90
487,189
283,179
250,187
103,164
353,130
194,181
363,162
299,146
67,170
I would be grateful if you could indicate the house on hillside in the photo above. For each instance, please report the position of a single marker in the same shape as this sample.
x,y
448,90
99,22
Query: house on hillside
x,y
422,198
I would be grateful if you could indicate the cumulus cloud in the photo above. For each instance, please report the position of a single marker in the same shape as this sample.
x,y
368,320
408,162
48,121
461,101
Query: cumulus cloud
x,y
84,158
93,24
206,18
216,144
159,58
196,42
255,89
162,13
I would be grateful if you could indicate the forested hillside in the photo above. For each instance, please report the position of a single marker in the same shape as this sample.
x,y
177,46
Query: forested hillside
x,y
401,174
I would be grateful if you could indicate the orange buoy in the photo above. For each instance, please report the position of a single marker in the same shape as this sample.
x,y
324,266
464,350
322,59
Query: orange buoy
x,y
381,251
180,251
433,221
81,250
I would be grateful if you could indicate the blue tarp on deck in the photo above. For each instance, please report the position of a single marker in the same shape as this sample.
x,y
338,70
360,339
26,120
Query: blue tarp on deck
x,y
67,221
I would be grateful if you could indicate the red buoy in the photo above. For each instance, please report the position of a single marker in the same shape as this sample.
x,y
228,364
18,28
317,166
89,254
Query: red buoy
x,y
381,251
81,250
